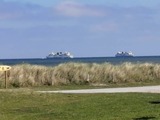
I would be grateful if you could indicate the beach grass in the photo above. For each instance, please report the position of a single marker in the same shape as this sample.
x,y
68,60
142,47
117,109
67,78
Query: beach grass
x,y
28,105
106,74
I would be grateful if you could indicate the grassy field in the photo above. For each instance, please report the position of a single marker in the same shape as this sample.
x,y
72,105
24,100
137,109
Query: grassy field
x,y
23,105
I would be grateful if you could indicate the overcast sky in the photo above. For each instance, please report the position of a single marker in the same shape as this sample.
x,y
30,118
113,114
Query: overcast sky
x,y
86,28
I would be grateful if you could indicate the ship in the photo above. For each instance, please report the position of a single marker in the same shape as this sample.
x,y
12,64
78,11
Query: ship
x,y
124,54
59,55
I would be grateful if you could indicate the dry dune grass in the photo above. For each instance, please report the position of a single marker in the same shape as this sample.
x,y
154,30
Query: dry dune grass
x,y
81,73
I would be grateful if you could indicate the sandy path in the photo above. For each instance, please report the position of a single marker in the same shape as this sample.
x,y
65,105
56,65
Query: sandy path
x,y
145,89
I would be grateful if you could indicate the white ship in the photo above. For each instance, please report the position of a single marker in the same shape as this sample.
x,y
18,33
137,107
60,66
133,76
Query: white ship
x,y
59,55
124,54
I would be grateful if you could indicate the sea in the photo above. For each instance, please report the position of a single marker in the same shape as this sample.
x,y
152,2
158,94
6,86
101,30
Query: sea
x,y
99,60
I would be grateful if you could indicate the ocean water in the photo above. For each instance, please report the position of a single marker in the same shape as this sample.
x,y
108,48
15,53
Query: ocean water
x,y
54,62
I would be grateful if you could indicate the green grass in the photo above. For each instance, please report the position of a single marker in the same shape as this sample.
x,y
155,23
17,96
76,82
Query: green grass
x,y
28,105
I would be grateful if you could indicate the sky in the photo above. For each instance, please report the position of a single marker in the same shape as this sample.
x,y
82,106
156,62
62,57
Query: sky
x,y
86,28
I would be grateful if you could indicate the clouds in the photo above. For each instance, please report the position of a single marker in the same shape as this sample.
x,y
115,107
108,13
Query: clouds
x,y
20,11
66,9
7,11
76,24
74,9
95,18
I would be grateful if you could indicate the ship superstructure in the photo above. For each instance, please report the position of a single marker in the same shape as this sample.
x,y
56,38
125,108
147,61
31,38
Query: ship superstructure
x,y
59,55
124,54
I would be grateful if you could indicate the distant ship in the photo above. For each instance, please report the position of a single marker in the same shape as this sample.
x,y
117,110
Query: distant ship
x,y
124,54
59,55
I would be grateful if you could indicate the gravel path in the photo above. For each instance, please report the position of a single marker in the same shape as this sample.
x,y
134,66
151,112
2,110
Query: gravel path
x,y
145,89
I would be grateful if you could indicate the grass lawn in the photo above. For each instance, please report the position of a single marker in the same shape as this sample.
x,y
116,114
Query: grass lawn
x,y
28,105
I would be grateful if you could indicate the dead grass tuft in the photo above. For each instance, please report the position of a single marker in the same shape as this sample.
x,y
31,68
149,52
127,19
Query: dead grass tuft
x,y
81,73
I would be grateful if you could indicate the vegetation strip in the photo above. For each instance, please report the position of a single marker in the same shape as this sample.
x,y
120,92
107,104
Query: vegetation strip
x,y
26,75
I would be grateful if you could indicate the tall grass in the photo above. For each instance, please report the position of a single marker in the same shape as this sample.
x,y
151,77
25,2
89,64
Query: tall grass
x,y
81,73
